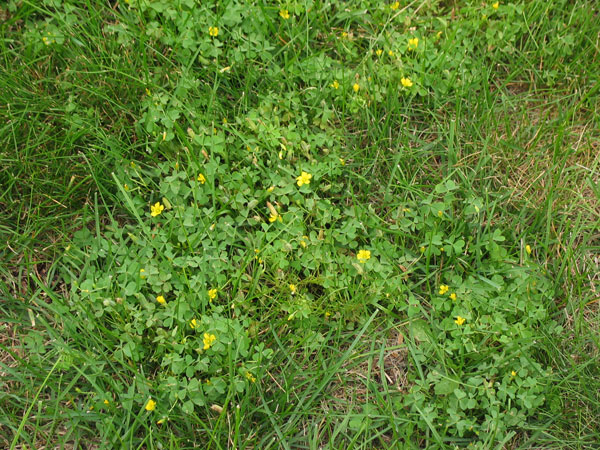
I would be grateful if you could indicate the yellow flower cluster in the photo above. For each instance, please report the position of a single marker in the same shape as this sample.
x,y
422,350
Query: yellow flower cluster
x,y
212,294
363,256
304,178
156,209
209,340
213,31
459,320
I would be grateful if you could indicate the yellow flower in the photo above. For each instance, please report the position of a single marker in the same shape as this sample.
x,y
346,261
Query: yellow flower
x,y
342,162
413,43
513,373
156,209
443,289
274,217
250,377
161,421
335,84
528,249
304,178
439,34
440,213
459,320
303,242
193,323
151,405
160,299
284,13
293,288
271,189
201,178
496,5
363,256
356,87
213,31
453,296
142,274
391,53
378,52
422,249
212,294
126,187
394,6
406,82
208,340
106,402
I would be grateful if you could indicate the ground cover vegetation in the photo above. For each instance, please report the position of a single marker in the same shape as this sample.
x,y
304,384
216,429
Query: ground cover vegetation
x,y
247,224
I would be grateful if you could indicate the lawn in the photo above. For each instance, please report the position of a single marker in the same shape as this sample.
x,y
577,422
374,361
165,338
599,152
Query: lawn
x,y
242,224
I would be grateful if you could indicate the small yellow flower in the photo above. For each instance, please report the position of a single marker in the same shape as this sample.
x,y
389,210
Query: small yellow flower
x,y
440,213
160,299
439,34
363,256
356,87
201,178
274,217
106,402
496,5
394,6
156,209
304,178
459,320
271,189
164,135
327,314
335,84
413,43
250,377
422,249
212,294
453,296
126,187
443,289
193,324
161,421
513,373
528,249
378,52
406,82
284,13
213,31
342,162
391,53
208,340
151,405
303,242
293,288
142,274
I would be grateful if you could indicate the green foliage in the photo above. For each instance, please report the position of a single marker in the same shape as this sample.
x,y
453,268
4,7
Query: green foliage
x,y
253,197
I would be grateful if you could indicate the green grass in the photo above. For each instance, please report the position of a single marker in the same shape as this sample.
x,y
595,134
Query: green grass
x,y
505,108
